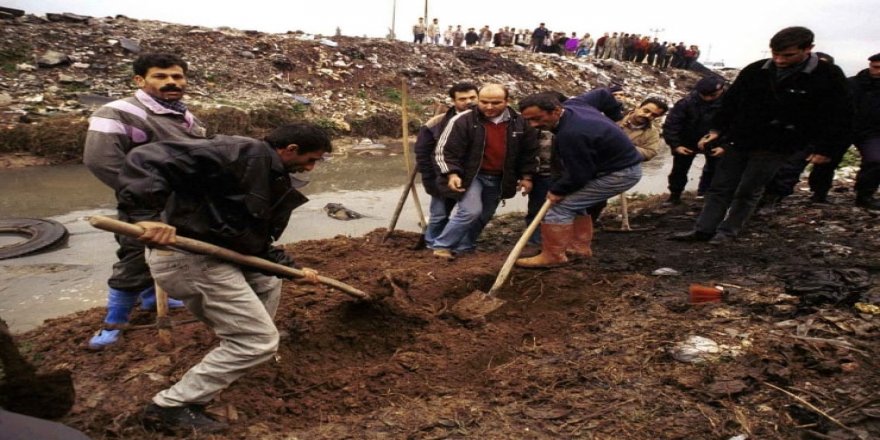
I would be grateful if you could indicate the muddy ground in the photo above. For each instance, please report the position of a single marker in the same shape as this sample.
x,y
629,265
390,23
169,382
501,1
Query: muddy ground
x,y
581,351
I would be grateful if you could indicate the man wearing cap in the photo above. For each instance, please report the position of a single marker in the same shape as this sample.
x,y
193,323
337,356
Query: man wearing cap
x,y
775,107
687,122
865,87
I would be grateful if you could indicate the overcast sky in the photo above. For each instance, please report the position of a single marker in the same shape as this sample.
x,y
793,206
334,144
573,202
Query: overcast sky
x,y
736,32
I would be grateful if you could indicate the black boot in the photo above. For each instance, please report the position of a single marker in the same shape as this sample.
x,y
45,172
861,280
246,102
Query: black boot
x,y
181,419
867,182
674,199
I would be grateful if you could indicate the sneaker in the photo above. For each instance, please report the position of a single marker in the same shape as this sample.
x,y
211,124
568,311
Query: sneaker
x,y
105,338
444,253
180,419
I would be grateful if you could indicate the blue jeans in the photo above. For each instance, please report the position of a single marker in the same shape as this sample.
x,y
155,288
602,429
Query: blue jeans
x,y
736,188
438,216
471,214
594,192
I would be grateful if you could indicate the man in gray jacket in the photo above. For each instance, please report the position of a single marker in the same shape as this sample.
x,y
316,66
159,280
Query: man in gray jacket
x,y
154,113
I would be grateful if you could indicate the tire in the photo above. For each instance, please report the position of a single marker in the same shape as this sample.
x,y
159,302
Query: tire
x,y
41,235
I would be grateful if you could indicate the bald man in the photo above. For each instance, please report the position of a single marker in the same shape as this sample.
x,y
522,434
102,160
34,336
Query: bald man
x,y
484,155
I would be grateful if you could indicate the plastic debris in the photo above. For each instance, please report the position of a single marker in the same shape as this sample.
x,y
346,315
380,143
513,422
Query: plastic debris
x,y
666,272
695,350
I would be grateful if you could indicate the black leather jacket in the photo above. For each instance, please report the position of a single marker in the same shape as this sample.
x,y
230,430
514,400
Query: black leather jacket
x,y
231,191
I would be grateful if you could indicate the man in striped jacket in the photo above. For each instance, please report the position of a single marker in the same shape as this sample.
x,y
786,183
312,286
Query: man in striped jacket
x,y
154,113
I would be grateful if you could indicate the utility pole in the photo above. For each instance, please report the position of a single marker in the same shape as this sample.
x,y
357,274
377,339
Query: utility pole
x,y
657,31
391,35
426,12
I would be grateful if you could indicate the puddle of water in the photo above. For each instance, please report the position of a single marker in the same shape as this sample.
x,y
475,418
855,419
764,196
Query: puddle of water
x,y
73,277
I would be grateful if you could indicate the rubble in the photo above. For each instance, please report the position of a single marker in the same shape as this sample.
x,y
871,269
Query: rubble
x,y
352,84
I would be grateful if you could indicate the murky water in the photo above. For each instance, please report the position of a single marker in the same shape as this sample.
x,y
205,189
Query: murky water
x,y
73,278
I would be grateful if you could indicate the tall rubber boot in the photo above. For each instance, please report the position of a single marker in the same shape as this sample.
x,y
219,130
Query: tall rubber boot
x,y
583,237
554,240
119,305
148,300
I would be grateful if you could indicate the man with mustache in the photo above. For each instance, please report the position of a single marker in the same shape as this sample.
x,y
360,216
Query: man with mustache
x,y
231,191
154,113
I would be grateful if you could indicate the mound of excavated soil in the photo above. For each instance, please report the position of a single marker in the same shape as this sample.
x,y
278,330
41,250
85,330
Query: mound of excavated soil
x,y
581,351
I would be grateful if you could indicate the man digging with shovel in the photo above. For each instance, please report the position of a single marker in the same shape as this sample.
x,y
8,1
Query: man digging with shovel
x,y
230,191
592,161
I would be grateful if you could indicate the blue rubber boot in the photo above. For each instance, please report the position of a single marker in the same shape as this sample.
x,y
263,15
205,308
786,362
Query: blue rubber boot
x,y
119,305
148,300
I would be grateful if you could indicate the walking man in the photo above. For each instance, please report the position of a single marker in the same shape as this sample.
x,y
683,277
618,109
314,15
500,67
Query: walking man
x,y
774,108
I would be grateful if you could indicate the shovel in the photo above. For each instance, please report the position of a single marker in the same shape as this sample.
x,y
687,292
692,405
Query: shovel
x,y
200,247
479,304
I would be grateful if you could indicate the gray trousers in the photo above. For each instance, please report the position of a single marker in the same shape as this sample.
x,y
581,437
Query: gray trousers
x,y
238,305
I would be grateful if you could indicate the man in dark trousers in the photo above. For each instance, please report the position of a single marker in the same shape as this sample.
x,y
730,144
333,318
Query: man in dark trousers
x,y
687,122
592,161
774,108
234,192
464,97
865,89
156,112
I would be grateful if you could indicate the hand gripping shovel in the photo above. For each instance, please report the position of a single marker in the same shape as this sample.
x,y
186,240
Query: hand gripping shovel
x,y
200,247
479,304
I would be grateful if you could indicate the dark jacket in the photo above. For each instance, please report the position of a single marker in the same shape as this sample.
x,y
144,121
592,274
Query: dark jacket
x,y
866,102
424,149
587,145
460,150
231,191
600,99
806,110
689,120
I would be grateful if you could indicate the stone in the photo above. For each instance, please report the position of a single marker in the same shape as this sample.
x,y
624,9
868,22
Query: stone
x,y
132,46
53,59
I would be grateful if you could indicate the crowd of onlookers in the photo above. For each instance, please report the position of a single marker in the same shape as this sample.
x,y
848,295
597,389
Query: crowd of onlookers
x,y
621,46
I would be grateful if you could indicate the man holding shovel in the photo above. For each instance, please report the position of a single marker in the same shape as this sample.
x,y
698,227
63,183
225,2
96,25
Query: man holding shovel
x,y
234,192
593,161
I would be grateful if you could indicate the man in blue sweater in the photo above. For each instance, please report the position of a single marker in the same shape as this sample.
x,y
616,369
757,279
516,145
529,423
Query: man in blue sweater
x,y
592,161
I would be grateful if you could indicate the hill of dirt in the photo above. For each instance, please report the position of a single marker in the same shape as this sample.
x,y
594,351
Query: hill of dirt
x,y
584,351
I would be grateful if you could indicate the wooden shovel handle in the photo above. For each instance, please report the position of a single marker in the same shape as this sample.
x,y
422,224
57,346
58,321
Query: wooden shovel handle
x,y
514,254
200,247
400,203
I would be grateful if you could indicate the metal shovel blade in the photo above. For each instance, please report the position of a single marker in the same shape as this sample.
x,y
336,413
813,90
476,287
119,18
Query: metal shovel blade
x,y
475,306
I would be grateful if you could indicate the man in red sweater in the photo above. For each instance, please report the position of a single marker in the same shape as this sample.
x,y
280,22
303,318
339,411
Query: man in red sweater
x,y
483,156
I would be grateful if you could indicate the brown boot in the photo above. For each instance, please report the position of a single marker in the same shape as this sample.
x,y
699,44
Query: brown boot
x,y
583,236
554,240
